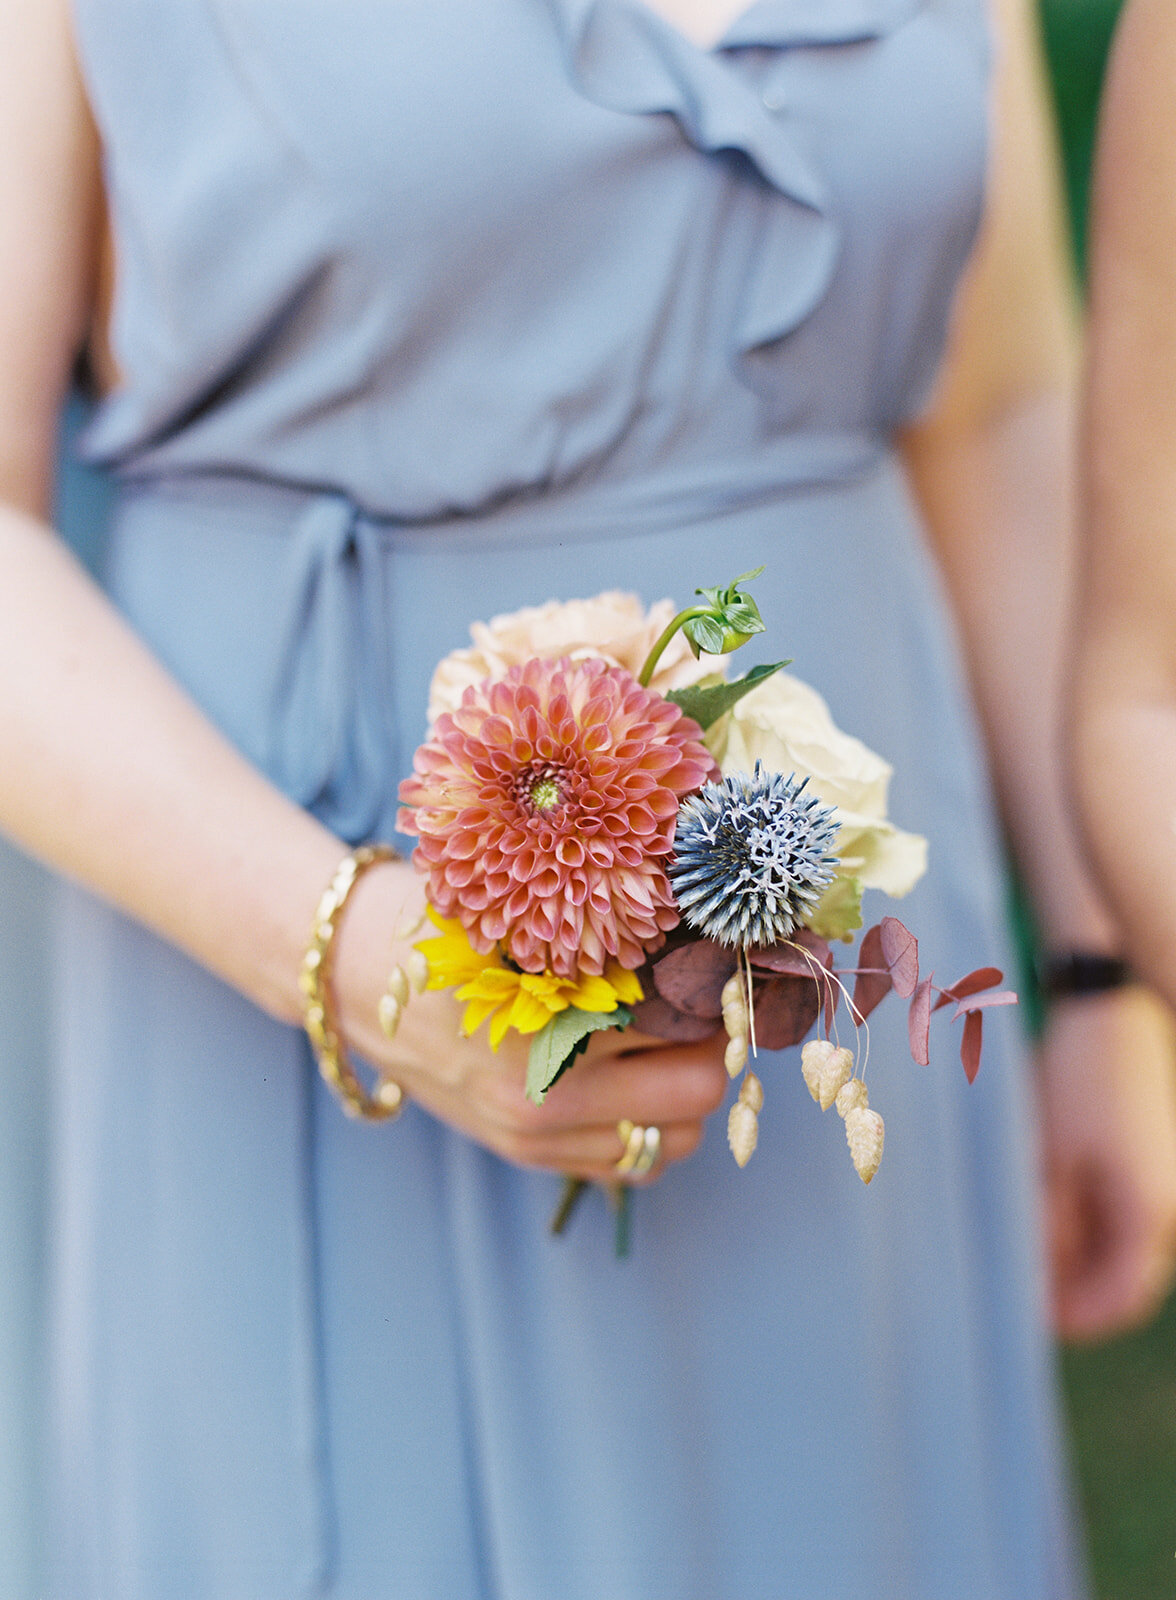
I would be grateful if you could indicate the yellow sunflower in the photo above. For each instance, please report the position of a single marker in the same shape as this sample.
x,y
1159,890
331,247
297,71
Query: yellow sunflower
x,y
526,1001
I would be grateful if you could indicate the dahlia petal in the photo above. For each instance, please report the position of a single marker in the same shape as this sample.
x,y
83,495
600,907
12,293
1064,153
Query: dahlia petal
x,y
524,864
658,759
554,883
629,953
639,819
663,803
464,843
592,951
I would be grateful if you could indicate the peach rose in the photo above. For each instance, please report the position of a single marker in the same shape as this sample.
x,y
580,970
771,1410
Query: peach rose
x,y
613,626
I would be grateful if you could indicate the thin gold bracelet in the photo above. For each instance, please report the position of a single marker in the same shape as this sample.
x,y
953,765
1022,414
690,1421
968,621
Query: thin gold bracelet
x,y
319,1017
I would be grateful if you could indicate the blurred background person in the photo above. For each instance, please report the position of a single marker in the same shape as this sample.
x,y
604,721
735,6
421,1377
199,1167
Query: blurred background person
x,y
1125,720
1125,684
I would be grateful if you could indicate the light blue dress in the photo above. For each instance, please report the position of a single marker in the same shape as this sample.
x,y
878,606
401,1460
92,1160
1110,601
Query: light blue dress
x,y
426,311
26,895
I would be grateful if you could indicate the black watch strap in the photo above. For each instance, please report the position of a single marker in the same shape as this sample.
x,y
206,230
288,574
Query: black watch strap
x,y
1076,972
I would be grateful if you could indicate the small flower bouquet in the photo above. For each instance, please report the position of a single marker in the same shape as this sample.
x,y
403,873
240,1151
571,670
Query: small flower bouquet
x,y
613,833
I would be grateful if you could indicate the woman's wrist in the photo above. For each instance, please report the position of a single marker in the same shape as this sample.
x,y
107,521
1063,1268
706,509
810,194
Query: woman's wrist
x,y
375,936
321,1015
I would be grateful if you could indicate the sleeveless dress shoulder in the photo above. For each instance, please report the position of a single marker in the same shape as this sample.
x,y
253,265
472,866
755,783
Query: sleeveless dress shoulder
x,y
491,303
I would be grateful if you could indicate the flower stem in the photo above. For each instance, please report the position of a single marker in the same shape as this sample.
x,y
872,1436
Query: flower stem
x,y
573,1189
655,654
623,1203
750,1000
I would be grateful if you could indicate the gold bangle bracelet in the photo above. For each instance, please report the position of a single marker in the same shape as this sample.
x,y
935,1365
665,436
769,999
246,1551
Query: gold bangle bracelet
x,y
319,1017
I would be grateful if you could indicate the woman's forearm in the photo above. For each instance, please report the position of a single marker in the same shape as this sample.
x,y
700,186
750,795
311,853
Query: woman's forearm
x,y
1125,680
111,774
999,501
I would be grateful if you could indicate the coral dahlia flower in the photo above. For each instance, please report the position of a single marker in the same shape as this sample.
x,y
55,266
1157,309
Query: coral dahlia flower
x,y
545,806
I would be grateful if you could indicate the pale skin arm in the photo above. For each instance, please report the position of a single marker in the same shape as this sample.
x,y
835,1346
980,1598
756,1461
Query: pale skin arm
x,y
1125,720
1124,683
993,464
110,773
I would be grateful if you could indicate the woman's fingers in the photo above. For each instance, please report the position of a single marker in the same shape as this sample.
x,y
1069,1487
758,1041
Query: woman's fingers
x,y
621,1076
677,1083
673,1088
593,1152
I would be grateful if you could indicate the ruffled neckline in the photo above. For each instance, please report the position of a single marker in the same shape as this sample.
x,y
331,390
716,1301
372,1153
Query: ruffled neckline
x,y
624,56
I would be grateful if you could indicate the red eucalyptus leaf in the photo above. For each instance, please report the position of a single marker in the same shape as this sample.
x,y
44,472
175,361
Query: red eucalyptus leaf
x,y
871,987
971,1043
982,978
780,959
815,945
813,952
691,978
785,1010
1002,997
919,1024
661,1020
900,951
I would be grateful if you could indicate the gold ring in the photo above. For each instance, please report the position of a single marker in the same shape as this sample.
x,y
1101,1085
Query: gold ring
x,y
642,1148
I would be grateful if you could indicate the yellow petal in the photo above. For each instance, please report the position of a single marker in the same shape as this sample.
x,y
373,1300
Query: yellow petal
x,y
452,958
545,986
529,1014
627,984
594,994
495,983
499,1026
476,1013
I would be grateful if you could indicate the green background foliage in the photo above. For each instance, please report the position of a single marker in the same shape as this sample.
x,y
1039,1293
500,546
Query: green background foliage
x,y
1077,34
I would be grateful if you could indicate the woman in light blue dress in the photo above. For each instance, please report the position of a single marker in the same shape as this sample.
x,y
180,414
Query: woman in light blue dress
x,y
424,313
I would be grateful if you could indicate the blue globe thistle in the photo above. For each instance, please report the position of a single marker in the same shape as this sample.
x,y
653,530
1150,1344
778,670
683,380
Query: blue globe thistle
x,y
751,857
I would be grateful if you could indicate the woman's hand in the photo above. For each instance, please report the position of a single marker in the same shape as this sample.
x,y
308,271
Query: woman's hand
x,y
461,1081
1109,1113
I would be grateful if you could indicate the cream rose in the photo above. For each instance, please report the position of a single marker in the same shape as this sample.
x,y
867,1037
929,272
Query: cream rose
x,y
613,626
786,725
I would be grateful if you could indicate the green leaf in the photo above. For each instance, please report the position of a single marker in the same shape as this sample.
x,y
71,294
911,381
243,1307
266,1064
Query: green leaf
x,y
839,910
743,616
560,1041
706,703
705,635
720,596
